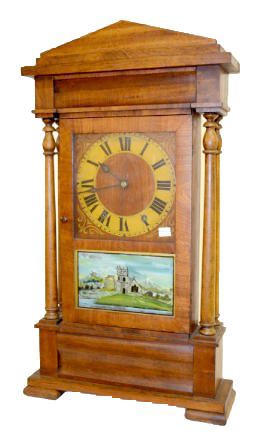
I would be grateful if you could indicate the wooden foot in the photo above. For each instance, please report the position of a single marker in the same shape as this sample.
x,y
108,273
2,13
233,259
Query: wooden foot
x,y
212,417
209,417
40,392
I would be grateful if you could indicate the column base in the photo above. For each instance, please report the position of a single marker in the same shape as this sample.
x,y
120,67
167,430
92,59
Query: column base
x,y
217,418
211,417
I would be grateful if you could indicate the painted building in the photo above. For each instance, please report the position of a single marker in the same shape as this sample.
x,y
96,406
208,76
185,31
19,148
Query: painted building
x,y
92,284
126,284
109,282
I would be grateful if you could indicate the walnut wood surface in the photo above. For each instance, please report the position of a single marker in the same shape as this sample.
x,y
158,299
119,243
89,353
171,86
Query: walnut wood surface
x,y
126,89
219,126
130,77
116,111
154,360
203,88
207,362
141,185
196,219
146,364
181,322
214,410
42,392
50,224
211,150
134,46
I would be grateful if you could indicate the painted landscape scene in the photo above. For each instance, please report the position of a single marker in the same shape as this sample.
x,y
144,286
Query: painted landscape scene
x,y
126,282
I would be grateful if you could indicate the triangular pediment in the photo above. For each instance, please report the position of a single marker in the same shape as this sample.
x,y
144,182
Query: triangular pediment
x,y
125,34
125,45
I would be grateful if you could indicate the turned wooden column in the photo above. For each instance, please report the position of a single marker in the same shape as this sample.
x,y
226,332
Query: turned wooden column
x,y
211,150
51,295
57,150
219,126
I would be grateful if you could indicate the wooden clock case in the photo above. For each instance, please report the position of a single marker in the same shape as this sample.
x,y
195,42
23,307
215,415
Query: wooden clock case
x,y
129,77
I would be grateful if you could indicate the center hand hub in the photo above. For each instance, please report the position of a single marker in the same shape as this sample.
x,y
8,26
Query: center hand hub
x,y
124,184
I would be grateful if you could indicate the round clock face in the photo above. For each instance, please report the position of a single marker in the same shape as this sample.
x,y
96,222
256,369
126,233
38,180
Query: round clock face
x,y
126,184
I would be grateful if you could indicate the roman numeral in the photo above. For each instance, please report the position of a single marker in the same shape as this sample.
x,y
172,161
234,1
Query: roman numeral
x,y
86,184
125,143
91,200
104,216
159,164
106,149
94,207
144,219
144,148
93,163
158,205
123,225
164,185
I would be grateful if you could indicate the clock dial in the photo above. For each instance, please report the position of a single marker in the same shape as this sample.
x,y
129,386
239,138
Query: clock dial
x,y
126,184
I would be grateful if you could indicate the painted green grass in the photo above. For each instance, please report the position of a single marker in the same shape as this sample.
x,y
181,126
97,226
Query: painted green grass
x,y
134,302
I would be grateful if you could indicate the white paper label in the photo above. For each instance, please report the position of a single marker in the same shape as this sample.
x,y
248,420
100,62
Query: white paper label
x,y
164,231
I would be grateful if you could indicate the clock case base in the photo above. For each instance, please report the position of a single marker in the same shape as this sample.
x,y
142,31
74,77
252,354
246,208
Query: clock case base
x,y
175,369
44,386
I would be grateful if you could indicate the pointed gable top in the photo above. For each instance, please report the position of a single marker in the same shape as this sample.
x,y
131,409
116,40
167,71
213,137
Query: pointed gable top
x,y
125,45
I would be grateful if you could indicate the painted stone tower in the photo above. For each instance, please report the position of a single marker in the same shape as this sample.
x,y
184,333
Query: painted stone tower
x,y
126,284
123,281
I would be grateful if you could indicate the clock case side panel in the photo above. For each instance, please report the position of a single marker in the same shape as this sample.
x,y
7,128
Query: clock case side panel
x,y
197,213
182,322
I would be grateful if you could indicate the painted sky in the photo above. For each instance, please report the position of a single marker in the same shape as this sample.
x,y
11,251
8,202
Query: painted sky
x,y
154,269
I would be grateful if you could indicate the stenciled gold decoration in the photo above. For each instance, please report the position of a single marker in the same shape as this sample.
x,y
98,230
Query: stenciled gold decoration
x,y
85,226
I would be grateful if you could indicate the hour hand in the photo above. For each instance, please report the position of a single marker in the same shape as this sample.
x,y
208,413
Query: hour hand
x,y
105,168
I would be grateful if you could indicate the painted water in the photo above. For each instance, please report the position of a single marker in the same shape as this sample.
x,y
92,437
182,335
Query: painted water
x,y
90,298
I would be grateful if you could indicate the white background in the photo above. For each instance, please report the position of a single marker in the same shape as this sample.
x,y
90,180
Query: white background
x,y
28,28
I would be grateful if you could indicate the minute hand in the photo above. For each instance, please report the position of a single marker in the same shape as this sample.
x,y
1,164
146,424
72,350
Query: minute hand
x,y
105,168
96,189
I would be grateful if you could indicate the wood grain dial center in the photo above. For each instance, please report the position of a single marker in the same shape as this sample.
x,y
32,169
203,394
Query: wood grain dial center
x,y
133,180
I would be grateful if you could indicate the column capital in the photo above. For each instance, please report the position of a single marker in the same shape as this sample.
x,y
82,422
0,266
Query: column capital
x,y
49,143
218,128
57,130
211,139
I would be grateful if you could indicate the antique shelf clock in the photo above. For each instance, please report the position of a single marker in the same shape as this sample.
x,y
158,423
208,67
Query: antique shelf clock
x,y
137,218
